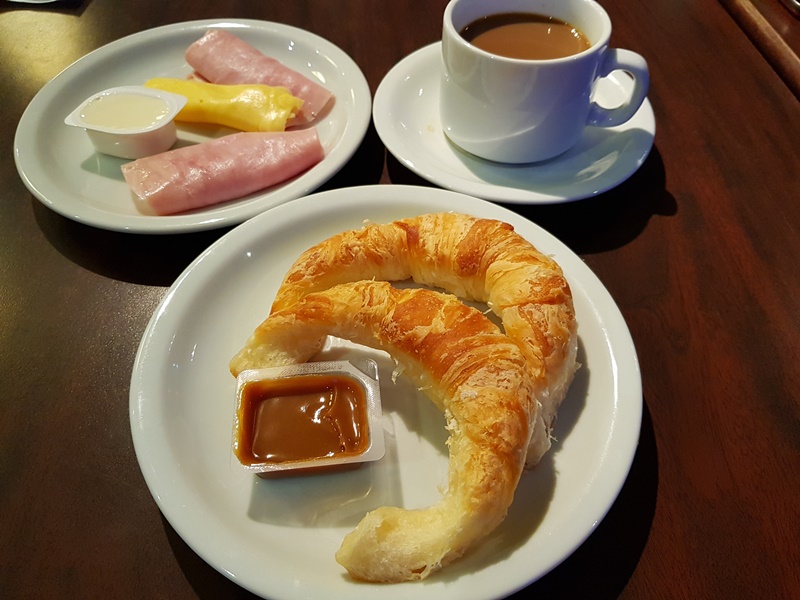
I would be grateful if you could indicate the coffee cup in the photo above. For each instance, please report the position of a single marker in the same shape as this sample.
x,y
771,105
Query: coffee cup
x,y
522,110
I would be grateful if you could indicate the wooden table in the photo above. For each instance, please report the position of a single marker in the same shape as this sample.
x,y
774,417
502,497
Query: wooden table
x,y
700,249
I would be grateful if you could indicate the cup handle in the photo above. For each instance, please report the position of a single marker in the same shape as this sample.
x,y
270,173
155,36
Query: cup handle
x,y
616,59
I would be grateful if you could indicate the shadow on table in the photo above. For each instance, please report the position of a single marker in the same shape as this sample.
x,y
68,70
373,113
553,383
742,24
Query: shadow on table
x,y
603,222
602,566
160,259
135,258
207,582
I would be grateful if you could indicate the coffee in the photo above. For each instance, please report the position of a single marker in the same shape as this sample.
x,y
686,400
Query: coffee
x,y
525,36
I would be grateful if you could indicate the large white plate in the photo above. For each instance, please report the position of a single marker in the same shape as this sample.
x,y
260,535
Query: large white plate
x,y
58,163
406,115
278,538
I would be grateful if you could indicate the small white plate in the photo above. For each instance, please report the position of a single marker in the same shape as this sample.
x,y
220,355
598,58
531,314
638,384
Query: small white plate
x,y
277,538
59,166
406,115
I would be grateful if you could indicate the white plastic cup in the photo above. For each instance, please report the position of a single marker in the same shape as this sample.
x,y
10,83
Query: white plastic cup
x,y
362,372
136,142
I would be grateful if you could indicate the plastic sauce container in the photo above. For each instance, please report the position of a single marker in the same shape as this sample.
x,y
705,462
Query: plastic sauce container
x,y
308,418
129,121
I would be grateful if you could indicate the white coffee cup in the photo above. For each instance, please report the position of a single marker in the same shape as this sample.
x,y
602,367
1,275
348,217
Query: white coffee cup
x,y
520,111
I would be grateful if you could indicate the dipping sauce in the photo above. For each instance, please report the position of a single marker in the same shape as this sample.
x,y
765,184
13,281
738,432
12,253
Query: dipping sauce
x,y
525,36
129,121
121,110
302,418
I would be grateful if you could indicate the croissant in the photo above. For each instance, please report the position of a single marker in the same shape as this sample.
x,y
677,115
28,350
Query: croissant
x,y
462,361
481,260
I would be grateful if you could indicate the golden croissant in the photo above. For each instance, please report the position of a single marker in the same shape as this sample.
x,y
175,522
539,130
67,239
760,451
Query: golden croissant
x,y
481,260
463,362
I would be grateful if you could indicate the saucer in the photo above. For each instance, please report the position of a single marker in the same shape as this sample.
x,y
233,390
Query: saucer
x,y
406,115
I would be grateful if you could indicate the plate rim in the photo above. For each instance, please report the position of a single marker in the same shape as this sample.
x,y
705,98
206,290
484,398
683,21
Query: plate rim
x,y
510,195
220,252
353,134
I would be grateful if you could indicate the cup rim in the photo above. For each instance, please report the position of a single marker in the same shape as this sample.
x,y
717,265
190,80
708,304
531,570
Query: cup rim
x,y
603,40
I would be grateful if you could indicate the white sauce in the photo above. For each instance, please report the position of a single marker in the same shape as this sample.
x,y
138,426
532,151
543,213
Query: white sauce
x,y
124,111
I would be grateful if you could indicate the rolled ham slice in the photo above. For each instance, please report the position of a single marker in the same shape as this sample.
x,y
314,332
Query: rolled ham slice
x,y
221,57
222,169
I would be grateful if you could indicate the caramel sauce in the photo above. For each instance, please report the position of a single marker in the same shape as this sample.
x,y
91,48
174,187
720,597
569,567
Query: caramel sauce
x,y
302,418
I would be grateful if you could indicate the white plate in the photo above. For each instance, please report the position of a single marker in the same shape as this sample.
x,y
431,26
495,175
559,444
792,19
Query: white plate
x,y
58,163
406,115
278,538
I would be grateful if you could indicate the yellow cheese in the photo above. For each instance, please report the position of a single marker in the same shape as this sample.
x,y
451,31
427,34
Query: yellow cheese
x,y
247,107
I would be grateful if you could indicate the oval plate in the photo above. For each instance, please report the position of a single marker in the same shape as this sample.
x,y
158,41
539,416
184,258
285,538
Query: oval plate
x,y
59,166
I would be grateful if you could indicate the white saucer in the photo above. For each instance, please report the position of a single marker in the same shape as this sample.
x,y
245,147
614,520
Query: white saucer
x,y
59,166
406,115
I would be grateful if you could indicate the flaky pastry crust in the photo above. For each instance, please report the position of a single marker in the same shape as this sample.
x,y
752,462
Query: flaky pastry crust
x,y
462,361
481,260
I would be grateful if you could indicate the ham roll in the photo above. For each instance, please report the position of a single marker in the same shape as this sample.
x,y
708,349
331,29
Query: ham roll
x,y
222,169
221,57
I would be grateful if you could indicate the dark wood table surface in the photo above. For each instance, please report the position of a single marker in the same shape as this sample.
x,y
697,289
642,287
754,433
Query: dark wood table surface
x,y
700,249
